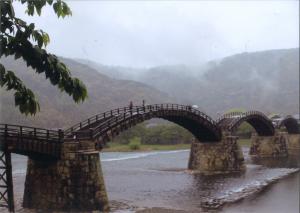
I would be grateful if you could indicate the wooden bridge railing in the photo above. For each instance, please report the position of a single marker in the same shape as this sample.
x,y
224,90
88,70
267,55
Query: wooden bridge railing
x,y
30,140
8,131
230,120
241,114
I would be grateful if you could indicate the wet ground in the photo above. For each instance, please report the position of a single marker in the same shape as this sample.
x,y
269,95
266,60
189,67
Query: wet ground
x,y
159,182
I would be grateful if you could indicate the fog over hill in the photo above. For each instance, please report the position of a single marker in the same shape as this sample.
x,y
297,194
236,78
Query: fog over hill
x,y
59,110
267,81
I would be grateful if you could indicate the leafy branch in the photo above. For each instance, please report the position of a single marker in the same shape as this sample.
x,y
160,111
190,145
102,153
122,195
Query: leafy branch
x,y
22,40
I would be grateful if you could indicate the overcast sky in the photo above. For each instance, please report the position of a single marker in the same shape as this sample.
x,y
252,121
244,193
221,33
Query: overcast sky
x,y
152,33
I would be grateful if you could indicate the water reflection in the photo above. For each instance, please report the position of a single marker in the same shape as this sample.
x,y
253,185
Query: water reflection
x,y
292,161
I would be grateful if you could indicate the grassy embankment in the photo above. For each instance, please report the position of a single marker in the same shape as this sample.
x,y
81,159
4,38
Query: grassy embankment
x,y
244,142
116,147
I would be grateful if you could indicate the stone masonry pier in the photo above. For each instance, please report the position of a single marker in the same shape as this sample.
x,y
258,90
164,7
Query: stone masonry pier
x,y
293,144
74,183
225,156
269,146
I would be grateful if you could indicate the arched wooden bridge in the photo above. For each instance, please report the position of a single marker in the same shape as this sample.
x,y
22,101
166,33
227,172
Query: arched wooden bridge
x,y
259,121
290,123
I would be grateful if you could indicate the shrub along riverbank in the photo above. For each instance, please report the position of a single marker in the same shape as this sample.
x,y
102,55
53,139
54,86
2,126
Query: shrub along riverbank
x,y
153,137
116,147
113,147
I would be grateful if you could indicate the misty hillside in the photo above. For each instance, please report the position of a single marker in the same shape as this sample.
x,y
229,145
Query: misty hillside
x,y
59,110
266,81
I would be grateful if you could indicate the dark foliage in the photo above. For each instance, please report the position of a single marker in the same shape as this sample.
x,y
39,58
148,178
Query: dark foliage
x,y
23,40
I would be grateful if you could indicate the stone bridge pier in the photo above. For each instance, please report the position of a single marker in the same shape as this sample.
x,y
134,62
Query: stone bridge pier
x,y
72,183
269,146
225,156
293,144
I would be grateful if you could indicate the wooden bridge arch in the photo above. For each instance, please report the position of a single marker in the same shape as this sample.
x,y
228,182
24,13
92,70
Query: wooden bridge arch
x,y
115,121
259,121
290,123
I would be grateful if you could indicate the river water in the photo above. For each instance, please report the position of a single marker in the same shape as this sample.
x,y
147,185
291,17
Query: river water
x,y
159,182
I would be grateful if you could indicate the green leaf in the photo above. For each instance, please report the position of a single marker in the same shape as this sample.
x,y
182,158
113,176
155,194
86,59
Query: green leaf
x,y
20,22
31,26
46,38
30,9
55,7
39,38
11,11
50,2
17,55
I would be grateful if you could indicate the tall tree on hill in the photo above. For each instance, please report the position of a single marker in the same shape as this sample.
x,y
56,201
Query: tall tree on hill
x,y
23,40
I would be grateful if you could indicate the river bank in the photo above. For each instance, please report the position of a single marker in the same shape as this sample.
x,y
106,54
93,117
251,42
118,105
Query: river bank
x,y
116,147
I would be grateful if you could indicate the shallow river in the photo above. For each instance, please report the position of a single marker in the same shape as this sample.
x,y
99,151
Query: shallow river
x,y
159,182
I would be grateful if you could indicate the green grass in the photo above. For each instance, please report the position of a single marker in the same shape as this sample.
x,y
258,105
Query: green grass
x,y
244,142
114,147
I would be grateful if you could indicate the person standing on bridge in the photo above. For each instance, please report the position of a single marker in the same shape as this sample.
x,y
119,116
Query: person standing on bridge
x,y
130,107
143,105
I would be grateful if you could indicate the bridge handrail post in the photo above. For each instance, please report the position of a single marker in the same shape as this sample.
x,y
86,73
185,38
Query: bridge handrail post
x,y
91,133
60,135
5,134
21,131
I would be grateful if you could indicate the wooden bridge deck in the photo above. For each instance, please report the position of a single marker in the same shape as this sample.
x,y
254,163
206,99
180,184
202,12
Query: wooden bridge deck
x,y
30,140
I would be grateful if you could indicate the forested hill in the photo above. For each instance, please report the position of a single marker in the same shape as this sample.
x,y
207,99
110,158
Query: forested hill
x,y
267,81
59,110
